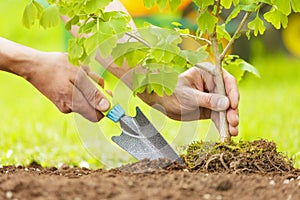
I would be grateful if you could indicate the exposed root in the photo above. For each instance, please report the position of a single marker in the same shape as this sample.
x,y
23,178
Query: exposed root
x,y
258,156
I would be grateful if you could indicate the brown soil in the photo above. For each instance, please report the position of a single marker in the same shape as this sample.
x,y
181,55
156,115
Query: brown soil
x,y
143,180
213,178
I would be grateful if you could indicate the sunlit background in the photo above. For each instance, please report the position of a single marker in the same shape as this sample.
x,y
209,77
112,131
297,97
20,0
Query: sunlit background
x,y
32,128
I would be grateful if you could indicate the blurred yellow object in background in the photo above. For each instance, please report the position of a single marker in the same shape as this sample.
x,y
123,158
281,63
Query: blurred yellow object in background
x,y
136,8
291,35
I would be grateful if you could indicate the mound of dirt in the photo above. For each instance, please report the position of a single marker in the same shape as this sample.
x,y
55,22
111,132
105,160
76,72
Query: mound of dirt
x,y
148,166
259,156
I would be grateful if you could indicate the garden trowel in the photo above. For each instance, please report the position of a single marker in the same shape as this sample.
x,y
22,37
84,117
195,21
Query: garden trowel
x,y
139,137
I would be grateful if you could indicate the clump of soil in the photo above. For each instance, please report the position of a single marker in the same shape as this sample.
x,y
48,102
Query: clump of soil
x,y
259,156
149,166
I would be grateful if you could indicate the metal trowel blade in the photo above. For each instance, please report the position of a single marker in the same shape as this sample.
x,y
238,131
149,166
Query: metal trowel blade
x,y
142,140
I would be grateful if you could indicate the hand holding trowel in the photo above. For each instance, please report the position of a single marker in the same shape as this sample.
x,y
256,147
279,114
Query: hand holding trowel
x,y
139,137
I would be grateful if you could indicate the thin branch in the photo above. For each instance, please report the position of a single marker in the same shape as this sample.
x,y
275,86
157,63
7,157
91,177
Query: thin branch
x,y
138,39
218,8
196,38
207,68
234,35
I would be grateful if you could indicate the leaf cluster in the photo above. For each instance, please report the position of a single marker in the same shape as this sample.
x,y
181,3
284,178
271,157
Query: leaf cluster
x,y
252,19
154,50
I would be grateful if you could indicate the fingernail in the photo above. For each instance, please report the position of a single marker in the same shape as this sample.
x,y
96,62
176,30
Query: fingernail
x,y
104,105
237,118
223,104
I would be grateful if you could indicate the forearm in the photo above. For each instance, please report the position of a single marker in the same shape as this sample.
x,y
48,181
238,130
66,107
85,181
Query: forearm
x,y
16,58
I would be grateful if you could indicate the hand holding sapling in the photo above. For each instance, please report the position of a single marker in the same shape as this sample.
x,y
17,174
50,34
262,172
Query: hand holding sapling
x,y
195,98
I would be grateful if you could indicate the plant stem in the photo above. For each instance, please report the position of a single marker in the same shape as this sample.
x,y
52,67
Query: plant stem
x,y
238,30
223,124
196,38
138,39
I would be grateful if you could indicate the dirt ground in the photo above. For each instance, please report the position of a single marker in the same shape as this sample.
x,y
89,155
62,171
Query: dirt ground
x,y
144,180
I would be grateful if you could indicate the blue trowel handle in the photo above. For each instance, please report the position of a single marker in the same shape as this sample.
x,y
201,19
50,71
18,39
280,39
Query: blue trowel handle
x,y
116,111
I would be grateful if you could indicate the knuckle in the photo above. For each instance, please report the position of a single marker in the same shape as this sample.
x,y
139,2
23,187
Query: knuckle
x,y
91,94
207,100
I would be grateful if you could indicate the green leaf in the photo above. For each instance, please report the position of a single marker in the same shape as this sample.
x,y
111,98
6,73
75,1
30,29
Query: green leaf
x,y
183,31
226,3
161,55
75,51
93,5
283,6
237,67
161,4
179,63
176,24
233,14
248,34
133,52
149,3
29,15
257,25
235,70
139,82
203,3
162,81
249,7
106,44
194,57
295,5
135,57
174,4
88,27
90,44
72,22
276,18
249,68
222,33
39,8
50,17
270,2
207,22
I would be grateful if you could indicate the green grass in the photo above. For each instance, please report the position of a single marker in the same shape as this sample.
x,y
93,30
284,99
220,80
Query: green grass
x,y
31,127
270,105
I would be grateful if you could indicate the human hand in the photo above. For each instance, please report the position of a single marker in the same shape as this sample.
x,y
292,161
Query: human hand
x,y
67,86
194,98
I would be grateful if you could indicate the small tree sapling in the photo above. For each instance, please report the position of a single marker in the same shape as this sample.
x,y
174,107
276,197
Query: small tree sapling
x,y
157,50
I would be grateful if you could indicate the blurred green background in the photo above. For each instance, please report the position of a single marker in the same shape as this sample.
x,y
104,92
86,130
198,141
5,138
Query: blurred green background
x,y
32,128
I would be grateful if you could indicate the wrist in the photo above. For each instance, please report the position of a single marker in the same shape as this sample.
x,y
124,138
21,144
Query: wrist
x,y
17,59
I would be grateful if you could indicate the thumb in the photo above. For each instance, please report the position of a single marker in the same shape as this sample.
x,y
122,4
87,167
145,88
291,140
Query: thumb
x,y
215,102
91,93
103,104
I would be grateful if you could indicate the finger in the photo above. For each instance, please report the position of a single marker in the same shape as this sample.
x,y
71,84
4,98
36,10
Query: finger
x,y
212,101
231,89
98,79
93,96
233,117
82,106
234,131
